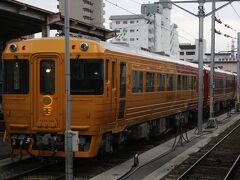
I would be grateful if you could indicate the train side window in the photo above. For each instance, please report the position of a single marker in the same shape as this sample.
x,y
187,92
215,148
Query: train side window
x,y
190,84
137,80
179,77
149,82
122,79
113,74
47,77
224,83
194,83
87,76
106,70
160,82
184,82
169,82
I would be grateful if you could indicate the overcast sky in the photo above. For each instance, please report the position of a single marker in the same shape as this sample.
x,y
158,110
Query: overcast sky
x,y
187,24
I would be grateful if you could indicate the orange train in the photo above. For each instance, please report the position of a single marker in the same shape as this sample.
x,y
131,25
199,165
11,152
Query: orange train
x,y
116,93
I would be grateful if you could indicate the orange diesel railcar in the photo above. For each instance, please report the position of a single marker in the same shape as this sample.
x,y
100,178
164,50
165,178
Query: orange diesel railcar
x,y
116,93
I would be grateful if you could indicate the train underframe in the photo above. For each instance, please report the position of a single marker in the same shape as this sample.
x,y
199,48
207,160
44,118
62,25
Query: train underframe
x,y
52,144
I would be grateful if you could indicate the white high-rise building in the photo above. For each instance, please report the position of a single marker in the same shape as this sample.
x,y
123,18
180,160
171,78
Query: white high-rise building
x,y
152,30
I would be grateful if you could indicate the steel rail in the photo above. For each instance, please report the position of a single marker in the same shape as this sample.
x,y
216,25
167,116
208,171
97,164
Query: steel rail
x,y
200,159
230,172
23,173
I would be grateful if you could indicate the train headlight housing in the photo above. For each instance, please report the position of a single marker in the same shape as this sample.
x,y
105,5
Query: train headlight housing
x,y
84,46
13,47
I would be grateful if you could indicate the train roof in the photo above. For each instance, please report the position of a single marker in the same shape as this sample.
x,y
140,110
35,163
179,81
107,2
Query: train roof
x,y
146,54
137,52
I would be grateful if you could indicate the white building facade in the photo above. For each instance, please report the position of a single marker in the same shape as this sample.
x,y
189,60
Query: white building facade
x,y
152,30
189,52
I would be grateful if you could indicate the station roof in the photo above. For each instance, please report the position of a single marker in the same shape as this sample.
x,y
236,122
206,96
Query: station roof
x,y
19,19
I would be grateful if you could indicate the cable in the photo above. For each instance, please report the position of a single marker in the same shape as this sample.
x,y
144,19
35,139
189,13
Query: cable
x,y
119,7
146,19
235,10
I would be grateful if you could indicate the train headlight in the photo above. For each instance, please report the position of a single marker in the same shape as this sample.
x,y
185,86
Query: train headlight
x,y
13,47
84,46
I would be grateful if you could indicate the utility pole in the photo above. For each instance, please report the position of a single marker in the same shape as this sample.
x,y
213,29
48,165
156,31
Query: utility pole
x,y
212,83
238,70
68,132
201,15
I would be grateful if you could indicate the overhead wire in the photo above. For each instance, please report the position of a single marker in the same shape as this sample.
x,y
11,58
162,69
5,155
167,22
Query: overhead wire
x,y
235,10
169,21
148,19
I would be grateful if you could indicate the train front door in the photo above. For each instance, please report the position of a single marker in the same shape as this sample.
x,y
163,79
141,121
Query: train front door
x,y
121,91
47,90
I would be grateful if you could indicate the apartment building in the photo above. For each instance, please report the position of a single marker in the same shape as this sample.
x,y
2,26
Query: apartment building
x,y
151,30
88,11
189,52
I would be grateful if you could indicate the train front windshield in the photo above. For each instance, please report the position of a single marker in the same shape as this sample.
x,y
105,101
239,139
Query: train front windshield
x,y
87,76
16,77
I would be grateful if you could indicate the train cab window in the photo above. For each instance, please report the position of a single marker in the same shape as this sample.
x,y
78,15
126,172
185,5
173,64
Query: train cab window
x,y
137,81
86,76
184,82
149,82
47,77
160,82
169,82
16,73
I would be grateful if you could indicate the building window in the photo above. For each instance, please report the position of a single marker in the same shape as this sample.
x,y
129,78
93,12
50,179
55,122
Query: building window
x,y
150,39
181,53
131,30
117,22
137,80
149,82
117,31
190,53
124,30
132,22
131,39
124,39
124,22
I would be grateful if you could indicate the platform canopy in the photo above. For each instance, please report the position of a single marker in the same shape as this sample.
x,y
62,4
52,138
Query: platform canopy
x,y
18,19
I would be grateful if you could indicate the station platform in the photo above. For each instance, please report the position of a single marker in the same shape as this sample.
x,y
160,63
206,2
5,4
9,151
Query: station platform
x,y
164,157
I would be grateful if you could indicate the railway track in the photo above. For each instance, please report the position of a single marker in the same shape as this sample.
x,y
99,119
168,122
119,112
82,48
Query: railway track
x,y
46,172
219,160
30,169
